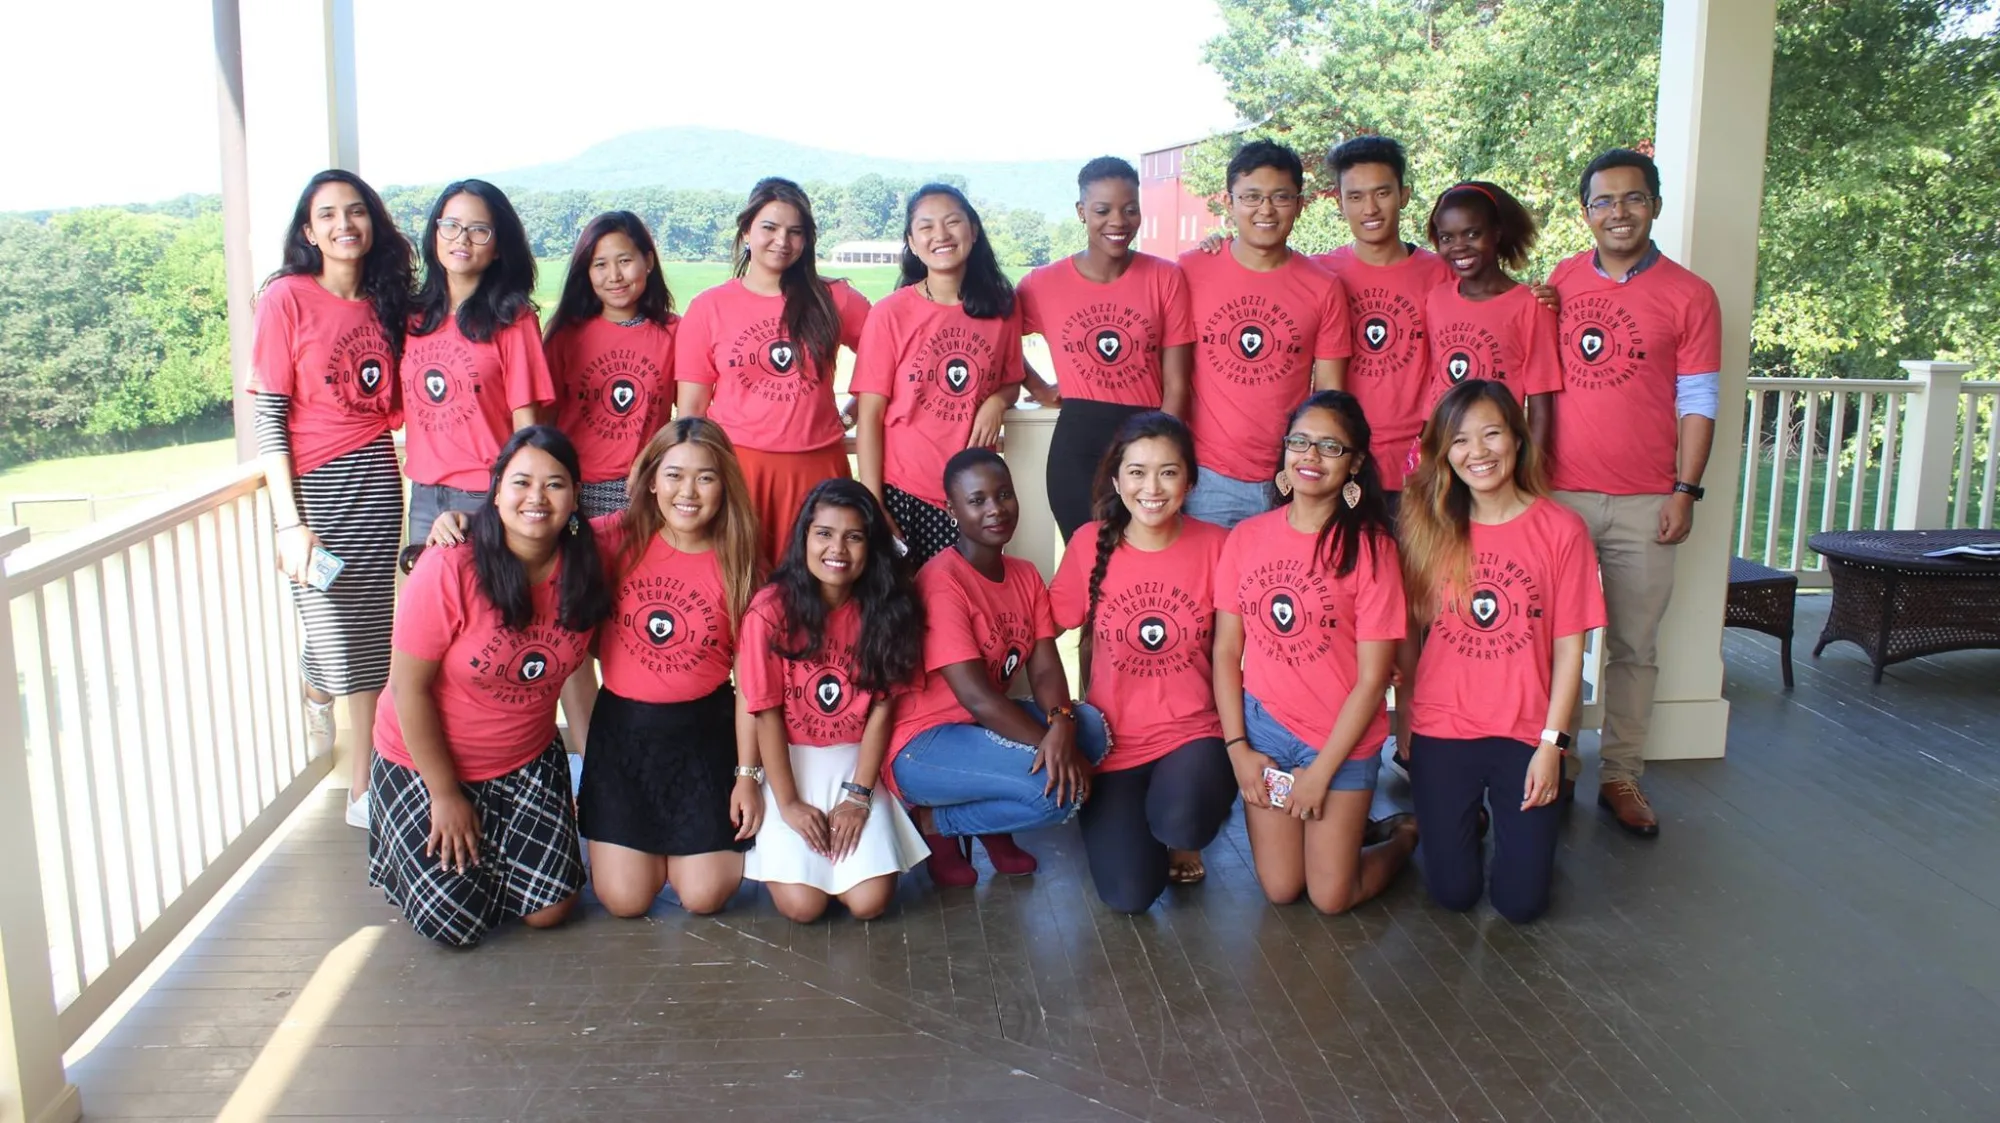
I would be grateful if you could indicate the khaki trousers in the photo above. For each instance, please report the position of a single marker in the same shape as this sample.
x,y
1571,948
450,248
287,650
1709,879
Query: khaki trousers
x,y
1638,584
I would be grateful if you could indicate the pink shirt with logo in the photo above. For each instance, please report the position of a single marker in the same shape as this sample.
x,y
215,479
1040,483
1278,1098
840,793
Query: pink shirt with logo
x,y
496,688
1624,348
1303,625
331,357
821,703
1152,641
459,398
1256,338
1486,668
668,638
614,389
770,394
971,619
935,365
1389,374
1106,340
1510,338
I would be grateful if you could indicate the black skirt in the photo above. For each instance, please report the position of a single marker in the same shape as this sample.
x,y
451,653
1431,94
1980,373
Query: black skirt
x,y
1083,432
658,775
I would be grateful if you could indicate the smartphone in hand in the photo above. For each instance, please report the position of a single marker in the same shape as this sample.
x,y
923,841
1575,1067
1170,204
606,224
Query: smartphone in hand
x,y
322,568
1277,787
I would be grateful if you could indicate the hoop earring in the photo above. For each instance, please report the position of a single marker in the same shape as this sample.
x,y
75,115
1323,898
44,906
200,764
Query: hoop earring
x,y
575,525
1351,493
1283,482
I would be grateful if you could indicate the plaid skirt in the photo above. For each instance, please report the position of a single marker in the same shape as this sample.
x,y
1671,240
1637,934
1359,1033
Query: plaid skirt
x,y
529,858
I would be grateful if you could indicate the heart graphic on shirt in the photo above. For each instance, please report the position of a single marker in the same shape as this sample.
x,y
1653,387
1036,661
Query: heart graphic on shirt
x,y
782,354
660,627
623,394
1485,607
1375,332
1250,341
1284,613
1153,633
534,665
1109,345
957,373
1458,365
826,694
1591,344
369,376
1010,664
435,385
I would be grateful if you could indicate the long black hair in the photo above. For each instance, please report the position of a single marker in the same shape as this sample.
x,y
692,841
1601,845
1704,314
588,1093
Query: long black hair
x,y
506,289
892,620
580,302
812,319
1110,511
586,596
1346,528
387,271
985,292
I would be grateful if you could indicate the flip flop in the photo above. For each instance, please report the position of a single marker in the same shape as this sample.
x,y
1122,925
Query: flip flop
x,y
1185,868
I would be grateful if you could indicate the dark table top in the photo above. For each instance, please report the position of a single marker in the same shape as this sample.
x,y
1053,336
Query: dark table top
x,y
1905,549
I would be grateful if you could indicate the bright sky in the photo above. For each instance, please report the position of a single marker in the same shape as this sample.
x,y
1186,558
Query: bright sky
x,y
915,79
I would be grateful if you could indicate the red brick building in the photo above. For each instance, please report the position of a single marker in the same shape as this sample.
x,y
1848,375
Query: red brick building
x,y
1176,218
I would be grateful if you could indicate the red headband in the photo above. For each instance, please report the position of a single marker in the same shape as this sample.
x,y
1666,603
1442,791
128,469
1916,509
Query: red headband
x,y
1475,187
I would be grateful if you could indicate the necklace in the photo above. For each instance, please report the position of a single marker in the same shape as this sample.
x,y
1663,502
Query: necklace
x,y
631,323
927,291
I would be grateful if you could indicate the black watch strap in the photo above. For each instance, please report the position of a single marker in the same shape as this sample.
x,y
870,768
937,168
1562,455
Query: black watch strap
x,y
1682,487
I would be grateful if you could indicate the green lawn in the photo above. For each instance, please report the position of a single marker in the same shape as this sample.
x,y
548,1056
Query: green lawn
x,y
115,480
686,278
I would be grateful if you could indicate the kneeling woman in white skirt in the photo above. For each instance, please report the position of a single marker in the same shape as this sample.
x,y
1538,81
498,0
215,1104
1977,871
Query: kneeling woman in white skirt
x,y
822,650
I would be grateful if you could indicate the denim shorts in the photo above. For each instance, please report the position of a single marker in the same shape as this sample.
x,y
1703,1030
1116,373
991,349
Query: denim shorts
x,y
1226,500
1269,736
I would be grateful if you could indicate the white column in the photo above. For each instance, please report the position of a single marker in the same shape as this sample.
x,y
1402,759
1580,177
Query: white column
x,y
299,104
33,1086
1930,436
1025,440
1715,102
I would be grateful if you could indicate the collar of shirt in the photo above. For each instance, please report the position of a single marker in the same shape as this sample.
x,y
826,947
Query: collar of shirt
x,y
1651,258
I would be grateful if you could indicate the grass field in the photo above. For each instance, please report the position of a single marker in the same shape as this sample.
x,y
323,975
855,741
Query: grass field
x,y
51,497
686,278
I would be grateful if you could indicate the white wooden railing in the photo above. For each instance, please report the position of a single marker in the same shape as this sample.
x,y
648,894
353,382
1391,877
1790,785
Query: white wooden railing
x,y
159,738
1827,454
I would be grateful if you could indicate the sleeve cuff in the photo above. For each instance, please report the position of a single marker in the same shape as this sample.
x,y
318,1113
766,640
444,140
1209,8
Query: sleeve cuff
x,y
1697,394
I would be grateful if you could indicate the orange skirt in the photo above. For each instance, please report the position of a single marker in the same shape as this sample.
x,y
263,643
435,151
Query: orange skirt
x,y
779,483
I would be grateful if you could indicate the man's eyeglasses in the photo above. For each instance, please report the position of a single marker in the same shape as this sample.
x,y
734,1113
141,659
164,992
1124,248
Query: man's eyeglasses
x,y
1327,446
1283,200
478,233
1631,201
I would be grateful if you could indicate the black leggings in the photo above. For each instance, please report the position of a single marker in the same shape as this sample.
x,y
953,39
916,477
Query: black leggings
x,y
1448,781
1135,815
1083,432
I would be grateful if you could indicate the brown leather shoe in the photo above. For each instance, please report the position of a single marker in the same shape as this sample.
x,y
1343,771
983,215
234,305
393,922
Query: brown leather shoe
x,y
1628,805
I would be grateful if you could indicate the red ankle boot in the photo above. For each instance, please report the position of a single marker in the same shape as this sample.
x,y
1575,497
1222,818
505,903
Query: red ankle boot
x,y
1006,857
948,864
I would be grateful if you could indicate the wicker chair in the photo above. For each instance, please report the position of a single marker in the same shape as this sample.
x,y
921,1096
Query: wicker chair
x,y
1761,599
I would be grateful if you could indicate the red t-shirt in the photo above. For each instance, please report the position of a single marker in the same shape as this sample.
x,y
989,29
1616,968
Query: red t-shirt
x,y
459,398
1296,660
615,388
769,392
1510,338
935,364
496,688
1486,668
331,357
1106,340
822,705
1390,372
1152,641
1623,349
668,638
1257,336
971,619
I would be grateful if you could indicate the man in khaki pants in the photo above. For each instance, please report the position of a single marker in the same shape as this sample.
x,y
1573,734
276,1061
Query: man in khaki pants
x,y
1641,345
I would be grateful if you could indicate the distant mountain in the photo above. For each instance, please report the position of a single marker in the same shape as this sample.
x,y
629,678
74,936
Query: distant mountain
x,y
698,158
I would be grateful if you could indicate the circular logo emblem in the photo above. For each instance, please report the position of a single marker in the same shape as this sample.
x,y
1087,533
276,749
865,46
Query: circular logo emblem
x,y
1375,333
533,665
957,374
1153,633
1109,346
1011,664
782,355
828,693
623,395
436,386
1284,613
660,627
369,376
1590,344
1487,609
1251,341
1457,365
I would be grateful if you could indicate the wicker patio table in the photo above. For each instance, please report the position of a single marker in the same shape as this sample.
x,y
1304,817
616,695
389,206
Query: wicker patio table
x,y
1897,604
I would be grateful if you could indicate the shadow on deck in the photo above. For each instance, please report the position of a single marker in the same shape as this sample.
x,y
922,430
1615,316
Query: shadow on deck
x,y
1812,936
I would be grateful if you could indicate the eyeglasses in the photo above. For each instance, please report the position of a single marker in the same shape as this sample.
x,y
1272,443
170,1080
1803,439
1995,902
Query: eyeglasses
x,y
1631,201
1327,446
1283,200
477,233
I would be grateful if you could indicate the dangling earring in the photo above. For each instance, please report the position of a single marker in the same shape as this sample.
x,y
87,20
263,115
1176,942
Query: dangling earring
x,y
1283,483
575,525
1351,492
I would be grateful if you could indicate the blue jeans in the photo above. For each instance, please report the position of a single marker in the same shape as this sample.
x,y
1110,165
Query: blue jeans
x,y
1226,501
977,782
1269,736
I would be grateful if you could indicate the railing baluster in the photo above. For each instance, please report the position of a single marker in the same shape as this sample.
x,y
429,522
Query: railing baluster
x,y
1781,439
228,747
1988,481
1836,442
112,711
1864,435
87,753
65,836
1807,436
148,729
1967,431
1885,484
254,681
190,711
1750,450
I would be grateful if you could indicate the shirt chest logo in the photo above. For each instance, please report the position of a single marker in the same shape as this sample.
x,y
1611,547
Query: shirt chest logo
x,y
1109,345
1153,633
1250,341
1284,613
957,373
1375,333
1457,365
782,355
369,377
436,386
1010,664
533,665
660,627
827,693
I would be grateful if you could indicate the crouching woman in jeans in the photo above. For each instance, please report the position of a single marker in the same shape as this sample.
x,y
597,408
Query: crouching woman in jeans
x,y
471,822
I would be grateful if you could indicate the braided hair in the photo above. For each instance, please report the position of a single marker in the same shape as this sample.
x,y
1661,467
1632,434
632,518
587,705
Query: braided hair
x,y
1112,514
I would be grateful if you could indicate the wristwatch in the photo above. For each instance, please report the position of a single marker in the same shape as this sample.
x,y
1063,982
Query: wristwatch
x,y
1558,738
750,771
1682,487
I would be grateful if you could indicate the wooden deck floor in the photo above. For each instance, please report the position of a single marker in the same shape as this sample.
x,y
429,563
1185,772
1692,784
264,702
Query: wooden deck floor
x,y
1815,935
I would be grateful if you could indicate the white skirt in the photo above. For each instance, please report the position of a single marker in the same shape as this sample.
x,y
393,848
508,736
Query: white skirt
x,y
889,843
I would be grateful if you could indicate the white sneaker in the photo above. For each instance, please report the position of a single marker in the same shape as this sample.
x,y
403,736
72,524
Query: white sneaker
x,y
357,812
319,725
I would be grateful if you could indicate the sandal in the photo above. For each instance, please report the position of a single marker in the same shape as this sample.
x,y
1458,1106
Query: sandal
x,y
1184,867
